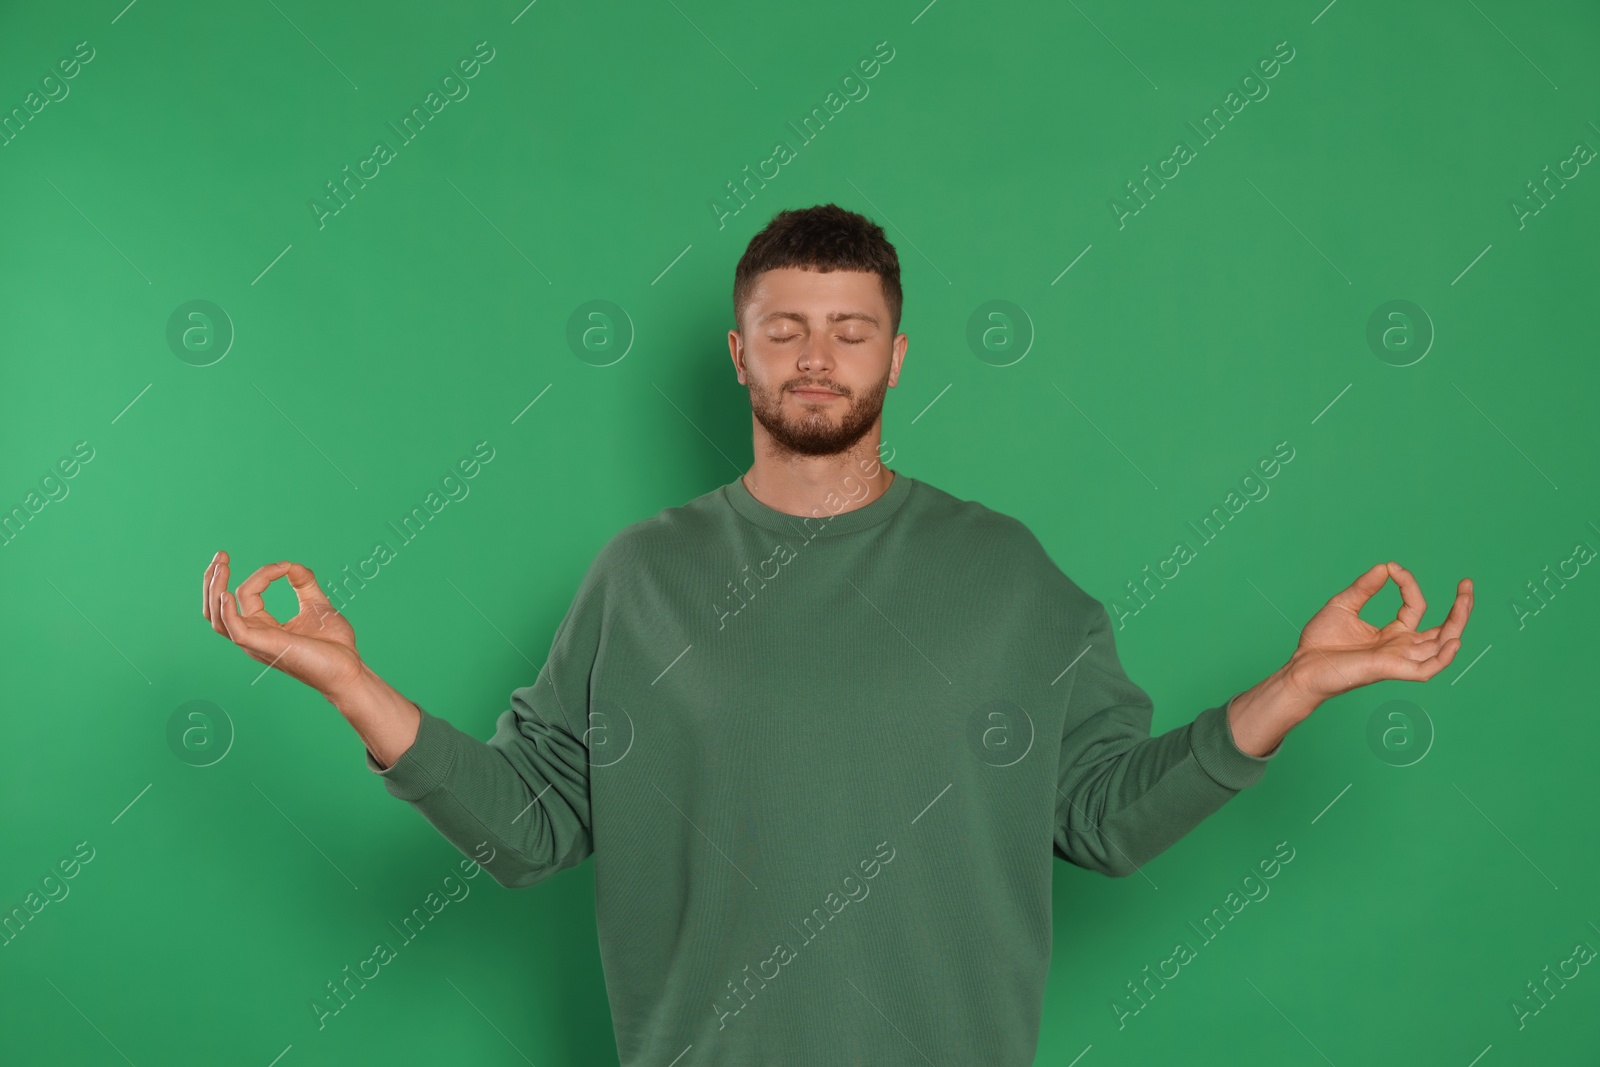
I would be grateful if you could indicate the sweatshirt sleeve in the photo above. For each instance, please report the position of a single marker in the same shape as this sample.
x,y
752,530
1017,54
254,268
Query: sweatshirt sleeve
x,y
1123,796
517,804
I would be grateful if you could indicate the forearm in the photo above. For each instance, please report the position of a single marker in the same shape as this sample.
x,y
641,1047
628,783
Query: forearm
x,y
1261,715
386,720
1131,807
518,803
1157,791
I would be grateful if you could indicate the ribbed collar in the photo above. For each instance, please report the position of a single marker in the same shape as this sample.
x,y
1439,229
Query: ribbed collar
x,y
822,524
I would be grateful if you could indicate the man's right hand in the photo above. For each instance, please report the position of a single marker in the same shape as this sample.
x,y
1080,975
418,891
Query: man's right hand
x,y
317,646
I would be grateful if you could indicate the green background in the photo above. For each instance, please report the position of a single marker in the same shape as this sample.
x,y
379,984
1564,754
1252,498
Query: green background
x,y
1182,346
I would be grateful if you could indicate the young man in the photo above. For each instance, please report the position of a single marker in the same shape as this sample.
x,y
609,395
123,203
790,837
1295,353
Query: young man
x,y
825,728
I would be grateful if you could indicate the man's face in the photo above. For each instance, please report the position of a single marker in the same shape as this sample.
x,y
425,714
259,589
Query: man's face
x,y
808,330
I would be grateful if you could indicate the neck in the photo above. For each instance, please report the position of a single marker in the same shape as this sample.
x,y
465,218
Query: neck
x,y
818,485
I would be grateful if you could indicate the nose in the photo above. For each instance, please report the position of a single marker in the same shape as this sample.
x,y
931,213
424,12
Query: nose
x,y
814,358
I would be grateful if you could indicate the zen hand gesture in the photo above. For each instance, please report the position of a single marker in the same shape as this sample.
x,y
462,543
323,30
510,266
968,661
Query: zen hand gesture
x,y
317,646
1339,652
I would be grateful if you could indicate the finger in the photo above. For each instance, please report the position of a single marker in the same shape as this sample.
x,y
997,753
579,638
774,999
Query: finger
x,y
251,588
267,640
225,616
1412,606
1360,591
205,587
217,583
1429,667
1456,621
1460,610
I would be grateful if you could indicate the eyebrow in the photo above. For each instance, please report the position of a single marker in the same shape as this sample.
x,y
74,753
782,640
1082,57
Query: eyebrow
x,y
837,316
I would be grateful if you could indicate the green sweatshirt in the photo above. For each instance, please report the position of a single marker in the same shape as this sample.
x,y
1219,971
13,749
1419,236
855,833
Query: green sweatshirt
x,y
823,765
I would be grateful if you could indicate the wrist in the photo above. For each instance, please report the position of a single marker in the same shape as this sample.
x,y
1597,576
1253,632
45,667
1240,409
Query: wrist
x,y
1262,715
1295,677
357,688
381,715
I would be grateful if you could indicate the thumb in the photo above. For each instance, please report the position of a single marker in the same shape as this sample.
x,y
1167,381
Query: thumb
x,y
306,589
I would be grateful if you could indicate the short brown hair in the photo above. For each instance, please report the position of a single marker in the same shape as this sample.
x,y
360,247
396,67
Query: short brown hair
x,y
822,238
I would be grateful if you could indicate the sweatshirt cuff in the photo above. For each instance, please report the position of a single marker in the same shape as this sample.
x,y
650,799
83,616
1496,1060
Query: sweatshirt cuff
x,y
1211,739
424,766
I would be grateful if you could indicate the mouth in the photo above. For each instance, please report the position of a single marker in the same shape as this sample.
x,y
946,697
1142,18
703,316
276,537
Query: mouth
x,y
816,394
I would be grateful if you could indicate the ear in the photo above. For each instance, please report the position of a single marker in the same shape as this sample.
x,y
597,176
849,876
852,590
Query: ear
x,y
896,358
736,353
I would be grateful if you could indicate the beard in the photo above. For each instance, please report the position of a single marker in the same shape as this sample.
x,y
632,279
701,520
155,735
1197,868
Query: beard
x,y
812,431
